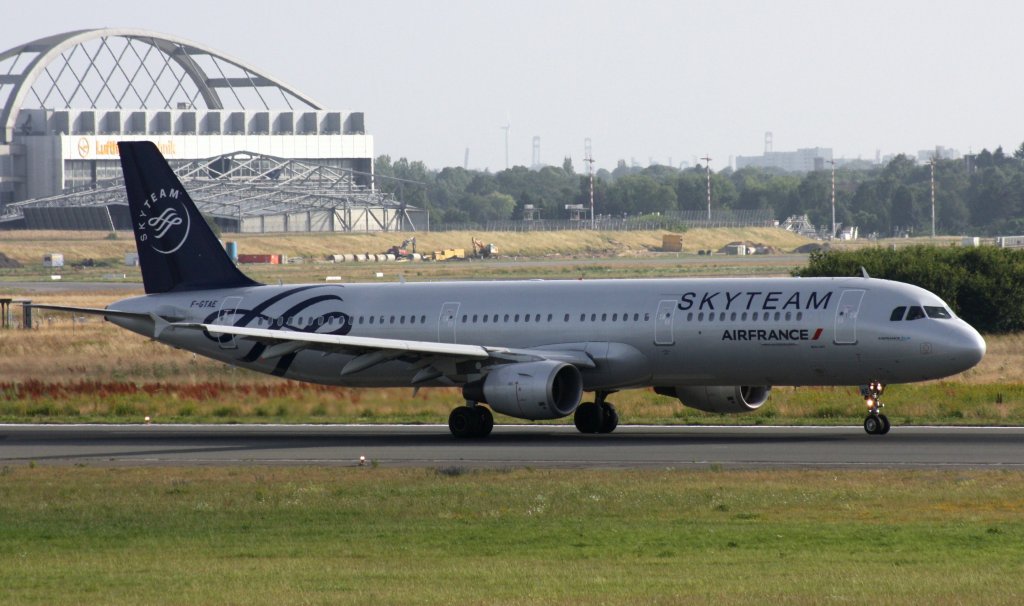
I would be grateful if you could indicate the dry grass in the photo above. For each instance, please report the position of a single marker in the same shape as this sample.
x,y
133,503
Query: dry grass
x,y
28,247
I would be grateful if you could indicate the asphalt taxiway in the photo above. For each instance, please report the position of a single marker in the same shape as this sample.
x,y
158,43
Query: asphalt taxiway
x,y
541,446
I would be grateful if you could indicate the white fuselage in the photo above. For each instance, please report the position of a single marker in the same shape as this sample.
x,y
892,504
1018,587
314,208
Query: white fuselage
x,y
780,331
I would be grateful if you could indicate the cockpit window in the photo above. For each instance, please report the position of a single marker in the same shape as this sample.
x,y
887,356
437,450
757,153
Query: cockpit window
x,y
915,313
897,314
939,313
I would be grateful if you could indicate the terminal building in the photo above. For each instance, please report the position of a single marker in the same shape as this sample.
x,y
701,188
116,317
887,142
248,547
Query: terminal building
x,y
256,154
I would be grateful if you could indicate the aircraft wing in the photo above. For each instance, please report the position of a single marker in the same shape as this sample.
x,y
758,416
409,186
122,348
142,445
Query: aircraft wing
x,y
372,350
94,311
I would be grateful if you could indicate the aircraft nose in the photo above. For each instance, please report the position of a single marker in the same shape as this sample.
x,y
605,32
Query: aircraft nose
x,y
970,347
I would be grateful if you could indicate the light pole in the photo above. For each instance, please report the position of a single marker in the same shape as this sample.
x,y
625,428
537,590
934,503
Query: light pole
x,y
707,166
833,163
933,197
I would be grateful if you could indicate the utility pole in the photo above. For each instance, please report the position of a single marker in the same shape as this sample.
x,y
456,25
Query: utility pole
x,y
833,163
933,197
589,159
506,128
707,167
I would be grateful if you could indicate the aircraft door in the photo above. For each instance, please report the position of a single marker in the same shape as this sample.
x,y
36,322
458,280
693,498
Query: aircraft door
x,y
224,316
846,317
663,323
446,322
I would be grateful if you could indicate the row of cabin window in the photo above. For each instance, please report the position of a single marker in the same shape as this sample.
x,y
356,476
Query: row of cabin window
x,y
496,318
742,316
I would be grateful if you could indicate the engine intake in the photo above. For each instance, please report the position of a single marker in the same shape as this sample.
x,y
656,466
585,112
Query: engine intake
x,y
529,390
719,398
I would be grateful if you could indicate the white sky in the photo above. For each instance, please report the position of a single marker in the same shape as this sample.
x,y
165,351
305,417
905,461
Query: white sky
x,y
644,80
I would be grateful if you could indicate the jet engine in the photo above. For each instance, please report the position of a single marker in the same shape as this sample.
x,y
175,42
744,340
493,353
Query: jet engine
x,y
719,398
529,390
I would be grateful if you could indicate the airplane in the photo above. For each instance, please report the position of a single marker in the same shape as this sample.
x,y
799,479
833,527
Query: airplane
x,y
530,348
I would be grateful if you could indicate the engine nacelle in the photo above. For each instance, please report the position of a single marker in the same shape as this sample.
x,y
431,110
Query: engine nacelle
x,y
529,390
719,398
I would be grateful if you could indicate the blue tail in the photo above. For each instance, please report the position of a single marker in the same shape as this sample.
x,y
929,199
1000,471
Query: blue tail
x,y
177,249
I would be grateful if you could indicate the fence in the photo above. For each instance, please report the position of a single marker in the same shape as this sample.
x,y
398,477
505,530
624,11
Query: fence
x,y
669,221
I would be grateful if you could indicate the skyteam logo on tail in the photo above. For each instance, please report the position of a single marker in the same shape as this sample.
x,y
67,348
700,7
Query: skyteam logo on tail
x,y
163,221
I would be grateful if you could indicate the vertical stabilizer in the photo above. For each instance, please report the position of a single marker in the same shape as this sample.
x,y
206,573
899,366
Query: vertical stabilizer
x,y
177,249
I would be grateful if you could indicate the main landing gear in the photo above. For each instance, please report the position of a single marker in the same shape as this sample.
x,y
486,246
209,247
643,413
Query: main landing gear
x,y
596,417
875,424
471,421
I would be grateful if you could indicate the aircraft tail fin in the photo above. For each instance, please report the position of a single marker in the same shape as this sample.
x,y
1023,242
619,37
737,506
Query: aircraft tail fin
x,y
177,249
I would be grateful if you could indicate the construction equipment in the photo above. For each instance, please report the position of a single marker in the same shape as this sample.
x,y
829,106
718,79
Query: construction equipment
x,y
403,251
449,254
483,251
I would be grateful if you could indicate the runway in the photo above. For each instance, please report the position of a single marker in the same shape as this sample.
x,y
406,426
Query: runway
x,y
541,446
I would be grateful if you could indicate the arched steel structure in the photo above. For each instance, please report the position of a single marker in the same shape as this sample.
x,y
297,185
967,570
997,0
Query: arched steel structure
x,y
130,68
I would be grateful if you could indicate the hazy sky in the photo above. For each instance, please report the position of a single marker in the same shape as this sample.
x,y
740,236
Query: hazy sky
x,y
646,81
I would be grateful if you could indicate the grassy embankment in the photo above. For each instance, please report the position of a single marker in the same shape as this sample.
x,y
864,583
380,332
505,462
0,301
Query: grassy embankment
x,y
330,535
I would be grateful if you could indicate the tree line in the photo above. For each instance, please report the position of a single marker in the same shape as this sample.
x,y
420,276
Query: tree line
x,y
980,194
984,286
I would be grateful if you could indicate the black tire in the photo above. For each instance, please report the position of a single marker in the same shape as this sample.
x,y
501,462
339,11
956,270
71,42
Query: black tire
x,y
886,426
464,422
588,418
611,418
486,421
873,425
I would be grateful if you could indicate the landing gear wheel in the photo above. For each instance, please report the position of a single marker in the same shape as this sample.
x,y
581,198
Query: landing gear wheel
x,y
589,418
486,421
873,425
611,418
876,424
464,422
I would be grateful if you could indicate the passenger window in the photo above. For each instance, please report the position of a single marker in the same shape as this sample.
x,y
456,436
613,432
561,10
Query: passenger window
x,y
485,319
583,317
700,317
897,314
721,317
412,319
475,317
536,318
371,319
515,318
732,317
423,319
789,316
636,317
915,313
465,318
401,320
615,317
799,316
755,317
593,317
689,317
550,316
566,317
777,316
939,313
526,318
647,317
743,316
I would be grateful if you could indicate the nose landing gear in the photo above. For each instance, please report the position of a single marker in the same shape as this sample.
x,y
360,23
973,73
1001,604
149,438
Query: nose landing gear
x,y
875,424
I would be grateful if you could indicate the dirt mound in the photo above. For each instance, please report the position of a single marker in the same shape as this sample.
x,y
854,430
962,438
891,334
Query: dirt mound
x,y
7,262
753,248
812,247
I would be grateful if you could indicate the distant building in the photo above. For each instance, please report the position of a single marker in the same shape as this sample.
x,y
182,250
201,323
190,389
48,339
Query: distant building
x,y
799,161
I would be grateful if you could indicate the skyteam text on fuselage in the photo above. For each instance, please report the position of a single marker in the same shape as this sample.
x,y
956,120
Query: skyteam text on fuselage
x,y
531,349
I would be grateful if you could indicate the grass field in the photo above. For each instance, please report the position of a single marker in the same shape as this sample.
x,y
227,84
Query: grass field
x,y
450,536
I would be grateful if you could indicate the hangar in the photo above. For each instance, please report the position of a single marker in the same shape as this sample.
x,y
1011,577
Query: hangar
x,y
256,154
